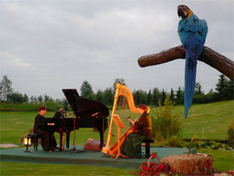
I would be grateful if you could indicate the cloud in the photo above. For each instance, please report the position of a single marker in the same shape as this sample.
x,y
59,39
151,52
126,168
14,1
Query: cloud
x,y
50,45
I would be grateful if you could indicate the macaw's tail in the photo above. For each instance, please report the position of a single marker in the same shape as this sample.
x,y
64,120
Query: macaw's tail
x,y
190,79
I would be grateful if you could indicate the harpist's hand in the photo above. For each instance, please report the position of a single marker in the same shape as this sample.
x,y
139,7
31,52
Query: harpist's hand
x,y
130,120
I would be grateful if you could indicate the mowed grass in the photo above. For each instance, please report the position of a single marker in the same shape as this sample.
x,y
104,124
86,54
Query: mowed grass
x,y
15,169
208,121
16,124
223,160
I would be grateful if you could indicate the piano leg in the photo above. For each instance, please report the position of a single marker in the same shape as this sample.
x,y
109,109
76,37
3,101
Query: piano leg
x,y
101,138
101,131
61,141
67,138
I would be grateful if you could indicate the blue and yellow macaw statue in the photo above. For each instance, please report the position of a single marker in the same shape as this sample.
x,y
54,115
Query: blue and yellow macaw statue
x,y
192,32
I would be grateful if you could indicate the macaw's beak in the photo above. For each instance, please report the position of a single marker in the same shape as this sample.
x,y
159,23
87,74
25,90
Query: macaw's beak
x,y
180,13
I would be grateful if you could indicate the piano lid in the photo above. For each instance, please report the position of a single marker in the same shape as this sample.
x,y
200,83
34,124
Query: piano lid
x,y
83,107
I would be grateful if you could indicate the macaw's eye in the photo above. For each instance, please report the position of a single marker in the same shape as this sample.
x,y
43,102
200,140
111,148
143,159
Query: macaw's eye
x,y
184,8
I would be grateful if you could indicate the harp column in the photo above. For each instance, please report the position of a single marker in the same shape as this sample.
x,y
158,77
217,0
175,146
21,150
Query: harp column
x,y
107,147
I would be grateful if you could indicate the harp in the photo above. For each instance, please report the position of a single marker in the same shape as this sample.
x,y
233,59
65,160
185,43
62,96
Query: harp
x,y
122,96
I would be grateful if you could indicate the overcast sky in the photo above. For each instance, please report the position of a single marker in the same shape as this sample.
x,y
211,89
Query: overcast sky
x,y
48,45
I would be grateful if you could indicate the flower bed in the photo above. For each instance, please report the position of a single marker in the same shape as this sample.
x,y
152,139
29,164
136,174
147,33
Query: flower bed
x,y
192,165
151,168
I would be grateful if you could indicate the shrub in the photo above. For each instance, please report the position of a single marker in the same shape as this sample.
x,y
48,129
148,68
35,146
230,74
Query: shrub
x,y
51,106
231,134
208,145
175,141
166,123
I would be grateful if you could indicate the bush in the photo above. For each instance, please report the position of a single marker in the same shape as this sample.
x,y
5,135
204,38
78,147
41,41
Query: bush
x,y
231,134
208,145
6,106
51,106
166,123
175,141
202,99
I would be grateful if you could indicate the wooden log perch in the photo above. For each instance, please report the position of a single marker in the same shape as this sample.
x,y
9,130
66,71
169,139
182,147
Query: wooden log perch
x,y
209,56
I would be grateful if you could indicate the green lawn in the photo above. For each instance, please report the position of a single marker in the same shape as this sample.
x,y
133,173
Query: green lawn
x,y
208,121
223,160
15,169
16,124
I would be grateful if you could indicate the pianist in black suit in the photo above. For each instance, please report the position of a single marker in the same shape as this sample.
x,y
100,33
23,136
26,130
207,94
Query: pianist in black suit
x,y
38,129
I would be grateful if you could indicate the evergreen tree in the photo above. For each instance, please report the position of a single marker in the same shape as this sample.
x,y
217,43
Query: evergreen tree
x,y
108,96
17,97
172,95
230,90
224,91
33,99
40,98
149,97
198,89
65,104
221,87
140,97
163,97
47,98
137,97
5,88
86,90
99,96
179,96
118,80
156,96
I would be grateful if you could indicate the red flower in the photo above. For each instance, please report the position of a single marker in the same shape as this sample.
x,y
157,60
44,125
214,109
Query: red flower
x,y
154,154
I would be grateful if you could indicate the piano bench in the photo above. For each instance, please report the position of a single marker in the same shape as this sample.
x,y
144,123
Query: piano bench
x,y
147,147
34,137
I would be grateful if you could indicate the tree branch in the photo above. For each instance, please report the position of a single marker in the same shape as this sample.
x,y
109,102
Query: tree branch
x,y
208,56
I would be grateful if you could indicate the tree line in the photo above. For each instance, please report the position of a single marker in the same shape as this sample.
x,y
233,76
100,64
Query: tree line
x,y
224,90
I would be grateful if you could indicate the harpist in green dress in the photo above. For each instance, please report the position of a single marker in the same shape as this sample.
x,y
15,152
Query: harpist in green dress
x,y
132,144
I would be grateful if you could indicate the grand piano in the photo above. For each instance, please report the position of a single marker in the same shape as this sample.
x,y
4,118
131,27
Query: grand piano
x,y
89,114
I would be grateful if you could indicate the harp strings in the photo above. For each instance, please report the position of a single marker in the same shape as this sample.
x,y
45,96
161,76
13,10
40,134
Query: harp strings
x,y
121,111
124,111
123,106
